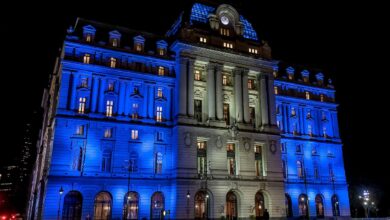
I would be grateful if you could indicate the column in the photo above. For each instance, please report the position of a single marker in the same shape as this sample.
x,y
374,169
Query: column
x,y
211,90
335,124
286,116
263,100
190,88
122,90
245,95
218,92
74,93
101,104
64,90
95,92
271,100
238,94
126,103
169,102
151,102
181,87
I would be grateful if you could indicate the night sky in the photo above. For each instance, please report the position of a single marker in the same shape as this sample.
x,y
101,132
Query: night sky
x,y
344,40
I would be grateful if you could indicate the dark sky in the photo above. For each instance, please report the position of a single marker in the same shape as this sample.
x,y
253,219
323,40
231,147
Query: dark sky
x,y
344,40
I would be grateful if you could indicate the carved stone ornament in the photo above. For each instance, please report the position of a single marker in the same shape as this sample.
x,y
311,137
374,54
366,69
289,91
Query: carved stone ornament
x,y
187,139
272,147
218,142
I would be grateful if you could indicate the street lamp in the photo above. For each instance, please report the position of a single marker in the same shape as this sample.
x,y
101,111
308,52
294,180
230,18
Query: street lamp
x,y
365,198
61,191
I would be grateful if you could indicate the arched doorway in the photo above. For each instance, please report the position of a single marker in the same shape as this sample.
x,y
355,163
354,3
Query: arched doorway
x,y
102,210
302,204
259,205
319,206
131,206
202,205
157,205
73,203
288,203
335,205
231,206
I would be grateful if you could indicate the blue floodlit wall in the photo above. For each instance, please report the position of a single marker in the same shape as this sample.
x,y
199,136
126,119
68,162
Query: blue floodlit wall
x,y
310,135
153,136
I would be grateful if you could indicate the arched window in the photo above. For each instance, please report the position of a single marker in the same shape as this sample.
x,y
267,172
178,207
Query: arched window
x,y
202,205
319,206
103,204
300,169
259,204
73,203
302,204
157,204
231,206
335,205
106,160
288,203
131,206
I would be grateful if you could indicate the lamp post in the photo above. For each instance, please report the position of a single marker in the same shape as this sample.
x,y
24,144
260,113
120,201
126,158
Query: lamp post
x,y
61,191
188,203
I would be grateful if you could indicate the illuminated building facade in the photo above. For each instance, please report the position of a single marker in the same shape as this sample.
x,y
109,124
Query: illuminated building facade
x,y
139,125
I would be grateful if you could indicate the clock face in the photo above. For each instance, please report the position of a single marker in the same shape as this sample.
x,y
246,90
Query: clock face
x,y
225,20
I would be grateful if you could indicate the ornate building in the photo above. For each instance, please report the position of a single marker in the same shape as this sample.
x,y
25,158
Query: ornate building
x,y
186,125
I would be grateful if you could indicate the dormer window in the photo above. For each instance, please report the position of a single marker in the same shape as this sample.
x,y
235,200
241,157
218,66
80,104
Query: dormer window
x,y
290,72
138,47
161,47
88,33
252,50
139,42
225,32
228,45
161,71
203,40
87,58
114,42
115,37
112,62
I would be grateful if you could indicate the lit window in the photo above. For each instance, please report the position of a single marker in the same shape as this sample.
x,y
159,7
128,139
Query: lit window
x,y
159,92
231,158
161,52
224,80
228,45
159,114
258,160
138,47
197,75
226,113
203,39
134,134
225,32
300,171
134,113
112,62
158,163
80,130
322,97
201,145
109,108
293,112
115,42
251,84
82,102
87,58
307,95
202,157
84,83
276,91
88,38
111,86
230,147
161,71
108,133
252,50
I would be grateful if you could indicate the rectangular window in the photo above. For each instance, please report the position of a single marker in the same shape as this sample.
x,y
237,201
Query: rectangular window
x,y
134,111
258,160
134,134
203,40
88,38
231,157
232,166
138,47
84,83
252,50
197,75
198,110
226,114
112,62
108,133
159,114
252,115
158,163
201,145
322,97
86,58
307,95
201,165
161,52
276,90
202,157
110,87
159,92
106,160
230,147
224,80
161,71
228,45
109,108
114,42
80,130
225,32
82,102
251,84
